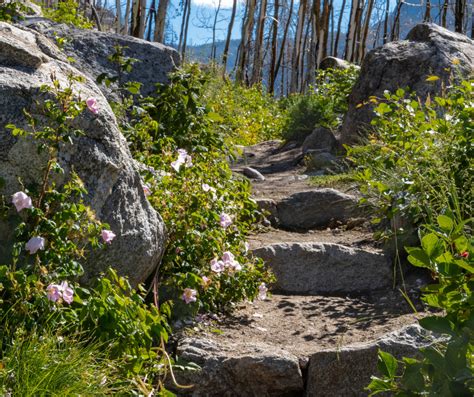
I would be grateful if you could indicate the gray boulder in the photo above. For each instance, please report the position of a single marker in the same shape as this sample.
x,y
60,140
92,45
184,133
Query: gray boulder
x,y
252,173
238,370
269,208
346,371
312,268
320,139
428,50
316,160
91,48
316,208
335,63
100,157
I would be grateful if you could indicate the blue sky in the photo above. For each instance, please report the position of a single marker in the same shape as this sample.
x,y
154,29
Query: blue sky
x,y
205,9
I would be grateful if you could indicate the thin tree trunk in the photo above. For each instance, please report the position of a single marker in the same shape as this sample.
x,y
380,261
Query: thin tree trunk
x,y
283,40
351,31
444,13
396,23
214,49
324,32
459,16
118,10
258,50
160,24
365,33
247,28
275,24
150,20
297,46
225,55
183,23
427,17
385,23
126,17
186,27
339,22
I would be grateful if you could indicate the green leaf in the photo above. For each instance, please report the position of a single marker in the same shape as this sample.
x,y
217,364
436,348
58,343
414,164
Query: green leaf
x,y
417,257
432,78
445,223
432,245
387,364
378,385
437,324
412,378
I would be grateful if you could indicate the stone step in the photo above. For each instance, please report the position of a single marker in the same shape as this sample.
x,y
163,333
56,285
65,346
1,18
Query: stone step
x,y
311,208
297,345
315,263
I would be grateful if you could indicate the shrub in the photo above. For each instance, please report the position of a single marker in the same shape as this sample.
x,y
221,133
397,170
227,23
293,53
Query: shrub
x,y
417,167
323,105
417,164
193,188
68,12
40,289
247,114
445,369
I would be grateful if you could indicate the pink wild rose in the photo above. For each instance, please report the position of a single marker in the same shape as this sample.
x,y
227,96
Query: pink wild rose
x,y
92,105
21,201
262,292
189,295
217,266
146,190
67,292
34,244
53,292
62,291
107,236
205,281
183,159
225,220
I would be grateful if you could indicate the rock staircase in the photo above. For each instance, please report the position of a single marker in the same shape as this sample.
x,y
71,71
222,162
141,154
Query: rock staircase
x,y
333,304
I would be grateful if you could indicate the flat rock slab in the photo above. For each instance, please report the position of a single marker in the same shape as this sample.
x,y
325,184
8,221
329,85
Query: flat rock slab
x,y
238,369
347,371
265,348
312,268
358,237
316,208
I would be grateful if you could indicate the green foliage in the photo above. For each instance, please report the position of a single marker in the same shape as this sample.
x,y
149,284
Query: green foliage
x,y
11,11
111,312
419,161
54,365
332,180
446,369
175,124
246,114
323,106
417,167
68,12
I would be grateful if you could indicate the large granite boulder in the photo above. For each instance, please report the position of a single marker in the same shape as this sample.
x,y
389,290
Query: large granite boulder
x,y
428,50
100,157
90,49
